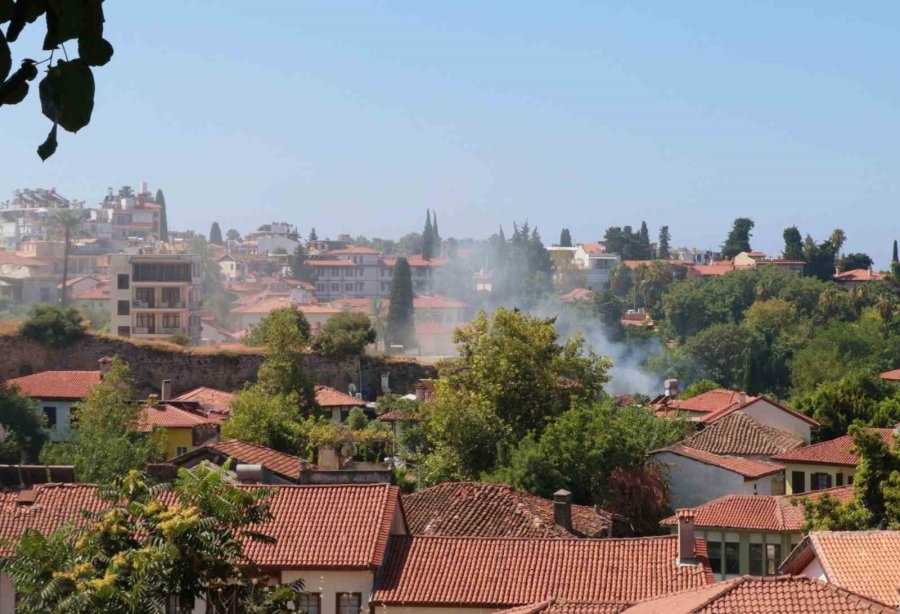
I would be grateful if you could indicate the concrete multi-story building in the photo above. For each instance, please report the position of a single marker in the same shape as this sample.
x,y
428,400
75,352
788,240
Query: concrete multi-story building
x,y
275,236
596,263
155,296
362,272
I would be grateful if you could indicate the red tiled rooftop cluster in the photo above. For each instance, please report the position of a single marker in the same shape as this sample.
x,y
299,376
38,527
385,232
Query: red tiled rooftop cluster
x,y
61,385
838,451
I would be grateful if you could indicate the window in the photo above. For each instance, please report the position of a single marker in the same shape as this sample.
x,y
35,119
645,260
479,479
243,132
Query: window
x,y
756,559
348,287
124,331
714,551
310,603
171,320
798,482
773,559
158,271
171,297
179,450
124,308
839,479
732,558
349,603
818,481
145,296
850,479
122,281
335,287
50,412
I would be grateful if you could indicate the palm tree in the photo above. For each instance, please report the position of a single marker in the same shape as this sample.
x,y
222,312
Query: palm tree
x,y
885,308
65,225
837,240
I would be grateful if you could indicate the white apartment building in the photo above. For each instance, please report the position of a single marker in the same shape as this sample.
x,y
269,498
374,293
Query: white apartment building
x,y
362,272
155,296
597,263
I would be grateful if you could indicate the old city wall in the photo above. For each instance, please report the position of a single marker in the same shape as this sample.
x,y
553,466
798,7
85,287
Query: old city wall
x,y
225,370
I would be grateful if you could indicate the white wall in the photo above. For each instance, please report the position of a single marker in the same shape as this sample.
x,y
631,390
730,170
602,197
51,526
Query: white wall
x,y
693,483
760,486
329,583
776,417
815,571
63,418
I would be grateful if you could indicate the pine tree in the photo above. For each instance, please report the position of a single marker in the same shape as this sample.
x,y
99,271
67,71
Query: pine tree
x,y
738,239
400,324
163,220
565,238
215,234
428,237
662,247
436,236
793,244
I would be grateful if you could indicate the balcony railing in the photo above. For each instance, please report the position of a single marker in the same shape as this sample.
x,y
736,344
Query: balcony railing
x,y
171,305
171,331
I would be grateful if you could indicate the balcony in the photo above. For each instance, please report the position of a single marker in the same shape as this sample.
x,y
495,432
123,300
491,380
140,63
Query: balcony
x,y
160,305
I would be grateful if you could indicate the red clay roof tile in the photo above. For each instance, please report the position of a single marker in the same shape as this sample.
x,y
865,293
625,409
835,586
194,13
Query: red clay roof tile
x,y
837,451
739,434
327,396
750,469
62,385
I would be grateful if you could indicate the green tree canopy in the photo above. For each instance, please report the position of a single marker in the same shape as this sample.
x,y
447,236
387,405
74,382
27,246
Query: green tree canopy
x,y
287,316
53,326
793,244
344,335
856,260
149,543
215,234
24,422
300,270
108,438
662,245
565,238
428,237
738,239
163,216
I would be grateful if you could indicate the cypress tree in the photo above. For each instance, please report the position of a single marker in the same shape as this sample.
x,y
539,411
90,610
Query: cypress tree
x,y
565,238
436,236
662,247
215,234
738,239
163,220
313,236
428,237
644,241
400,324
894,258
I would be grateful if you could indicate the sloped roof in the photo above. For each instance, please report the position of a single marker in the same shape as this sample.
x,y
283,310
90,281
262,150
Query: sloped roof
x,y
342,526
891,376
478,509
751,595
326,396
167,416
739,434
749,469
97,293
754,400
436,301
415,261
495,573
865,562
758,512
859,275
557,606
248,453
832,452
355,249
578,294
709,402
60,385
209,398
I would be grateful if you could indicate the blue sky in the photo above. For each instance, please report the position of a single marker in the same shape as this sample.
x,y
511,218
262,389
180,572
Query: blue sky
x,y
356,116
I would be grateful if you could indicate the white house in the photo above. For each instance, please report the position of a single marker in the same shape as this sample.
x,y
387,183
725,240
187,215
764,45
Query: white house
x,y
57,392
696,477
596,262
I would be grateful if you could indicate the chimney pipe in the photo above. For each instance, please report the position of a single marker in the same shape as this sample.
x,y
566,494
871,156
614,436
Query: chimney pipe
x,y
742,398
687,548
165,391
562,509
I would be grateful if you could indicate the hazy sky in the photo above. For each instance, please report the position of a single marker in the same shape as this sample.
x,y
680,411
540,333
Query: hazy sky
x,y
356,116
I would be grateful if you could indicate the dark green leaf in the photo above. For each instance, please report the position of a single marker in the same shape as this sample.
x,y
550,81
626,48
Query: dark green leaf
x,y
92,26
7,8
14,89
64,21
95,51
5,58
67,94
48,147
17,21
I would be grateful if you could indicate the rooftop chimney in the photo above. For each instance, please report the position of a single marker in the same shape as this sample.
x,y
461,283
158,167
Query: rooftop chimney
x,y
165,391
562,509
742,398
104,363
687,548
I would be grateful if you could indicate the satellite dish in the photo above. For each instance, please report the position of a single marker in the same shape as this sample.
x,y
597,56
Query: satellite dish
x,y
348,450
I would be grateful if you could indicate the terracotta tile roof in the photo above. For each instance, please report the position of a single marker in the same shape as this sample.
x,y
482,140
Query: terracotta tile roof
x,y
865,562
415,261
752,401
266,305
356,249
210,399
399,415
167,416
436,301
61,385
9,258
97,293
832,452
891,376
478,509
712,270
578,294
494,573
859,275
758,512
330,262
593,248
556,606
329,397
247,453
740,435
773,594
709,402
316,527
749,469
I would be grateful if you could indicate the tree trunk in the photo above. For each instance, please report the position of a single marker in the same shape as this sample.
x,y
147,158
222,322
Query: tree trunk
x,y
65,289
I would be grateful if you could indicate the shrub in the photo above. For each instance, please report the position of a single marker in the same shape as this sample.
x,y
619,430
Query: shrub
x,y
53,326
